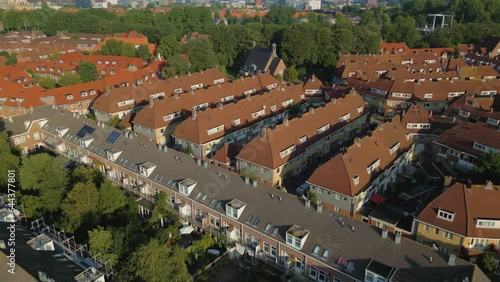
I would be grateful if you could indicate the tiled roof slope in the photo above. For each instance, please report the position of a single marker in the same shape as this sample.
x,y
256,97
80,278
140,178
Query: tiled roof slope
x,y
482,107
153,117
354,162
266,151
418,114
468,204
462,137
196,130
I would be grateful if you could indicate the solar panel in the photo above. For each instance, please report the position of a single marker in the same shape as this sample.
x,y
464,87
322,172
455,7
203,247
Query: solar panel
x,y
113,137
85,130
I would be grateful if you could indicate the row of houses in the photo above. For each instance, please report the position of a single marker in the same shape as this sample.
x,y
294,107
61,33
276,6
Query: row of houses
x,y
308,239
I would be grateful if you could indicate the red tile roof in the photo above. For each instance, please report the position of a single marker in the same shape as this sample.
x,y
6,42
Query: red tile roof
x,y
266,151
468,205
463,136
358,157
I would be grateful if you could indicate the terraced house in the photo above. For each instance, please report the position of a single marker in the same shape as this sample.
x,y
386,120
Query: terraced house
x,y
282,152
351,178
464,220
131,97
459,147
309,242
236,123
391,97
158,121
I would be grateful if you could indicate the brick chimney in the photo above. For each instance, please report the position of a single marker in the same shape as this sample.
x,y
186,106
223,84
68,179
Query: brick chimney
x,y
488,185
274,50
263,133
285,121
193,114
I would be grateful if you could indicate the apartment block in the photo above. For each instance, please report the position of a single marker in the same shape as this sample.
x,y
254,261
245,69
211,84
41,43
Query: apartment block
x,y
236,123
131,97
282,152
159,120
252,220
363,169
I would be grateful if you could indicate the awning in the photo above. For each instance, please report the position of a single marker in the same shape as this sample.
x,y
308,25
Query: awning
x,y
378,199
188,229
240,249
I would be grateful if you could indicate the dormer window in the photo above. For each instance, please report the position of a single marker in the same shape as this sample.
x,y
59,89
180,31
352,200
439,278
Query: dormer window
x,y
69,97
492,121
146,169
235,122
215,129
355,179
345,117
227,98
235,208
197,86
316,250
85,141
84,93
287,103
428,96
360,110
62,130
288,151
113,154
463,113
488,223
373,166
258,113
273,108
186,186
446,215
394,148
296,237
303,139
178,90
323,128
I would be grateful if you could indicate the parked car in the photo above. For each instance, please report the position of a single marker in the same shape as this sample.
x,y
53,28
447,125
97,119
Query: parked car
x,y
302,189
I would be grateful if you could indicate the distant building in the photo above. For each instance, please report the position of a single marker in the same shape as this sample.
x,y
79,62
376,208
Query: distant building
x,y
263,60
313,5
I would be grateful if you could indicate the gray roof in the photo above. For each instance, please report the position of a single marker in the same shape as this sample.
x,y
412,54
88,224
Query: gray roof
x,y
259,57
358,246
16,126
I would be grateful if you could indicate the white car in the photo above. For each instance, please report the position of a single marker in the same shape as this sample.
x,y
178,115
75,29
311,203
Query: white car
x,y
302,189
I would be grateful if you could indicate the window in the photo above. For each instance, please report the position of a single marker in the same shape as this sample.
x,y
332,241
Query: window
x,y
446,215
320,190
325,255
258,114
493,121
235,122
313,273
373,166
448,235
36,135
436,231
303,139
316,250
287,103
426,228
215,129
428,96
394,148
360,110
273,251
463,113
345,117
287,151
266,247
273,108
356,180
337,197
321,276
289,239
323,128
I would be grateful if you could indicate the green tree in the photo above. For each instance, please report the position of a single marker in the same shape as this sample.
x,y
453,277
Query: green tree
x,y
128,50
176,65
294,110
68,78
299,45
84,174
143,52
11,59
80,206
280,15
101,241
45,178
487,263
87,71
9,160
46,82
200,247
160,211
487,167
291,74
311,196
201,54
112,47
169,46
156,262
111,198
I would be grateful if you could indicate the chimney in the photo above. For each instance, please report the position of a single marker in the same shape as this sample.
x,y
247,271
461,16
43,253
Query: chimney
x,y
285,121
151,103
263,133
189,73
274,50
447,181
469,184
430,259
451,259
192,91
397,240
488,185
319,206
106,90
193,114
248,96
308,203
311,110
10,119
220,106
357,141
430,113
384,232
253,44
334,100
313,79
